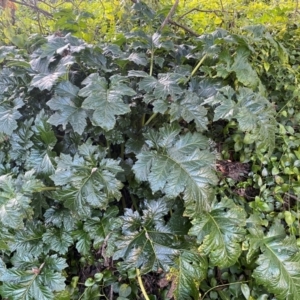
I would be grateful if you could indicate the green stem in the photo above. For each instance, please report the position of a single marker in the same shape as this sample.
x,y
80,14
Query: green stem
x,y
150,74
196,68
150,119
143,120
133,200
221,285
46,188
138,274
151,61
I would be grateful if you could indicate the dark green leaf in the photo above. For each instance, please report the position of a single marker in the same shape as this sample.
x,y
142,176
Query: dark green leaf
x,y
178,167
192,268
88,180
220,233
279,264
106,100
9,115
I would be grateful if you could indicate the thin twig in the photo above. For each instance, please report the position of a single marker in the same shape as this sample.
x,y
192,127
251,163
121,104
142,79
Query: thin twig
x,y
217,12
187,29
221,2
33,7
297,7
169,16
292,196
111,293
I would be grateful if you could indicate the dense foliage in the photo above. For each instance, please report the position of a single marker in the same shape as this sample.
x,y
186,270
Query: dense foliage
x,y
169,160
94,20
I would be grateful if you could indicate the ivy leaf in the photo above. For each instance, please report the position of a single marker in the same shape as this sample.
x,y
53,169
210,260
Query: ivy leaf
x,y
279,264
192,269
177,167
220,233
146,242
106,100
88,179
68,107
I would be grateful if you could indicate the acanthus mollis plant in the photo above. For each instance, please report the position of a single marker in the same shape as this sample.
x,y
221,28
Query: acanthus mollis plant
x,y
108,171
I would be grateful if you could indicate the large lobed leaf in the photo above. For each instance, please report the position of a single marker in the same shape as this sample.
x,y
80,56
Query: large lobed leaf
x,y
15,198
41,156
106,100
87,179
254,113
30,280
68,107
147,242
192,269
175,164
9,115
220,233
279,264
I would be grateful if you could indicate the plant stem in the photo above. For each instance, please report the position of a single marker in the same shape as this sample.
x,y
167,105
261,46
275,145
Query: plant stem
x,y
150,119
221,285
133,200
169,16
151,61
143,120
138,274
196,68
46,188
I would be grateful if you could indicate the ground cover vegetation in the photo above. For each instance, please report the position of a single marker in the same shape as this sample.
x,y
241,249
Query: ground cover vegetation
x,y
154,163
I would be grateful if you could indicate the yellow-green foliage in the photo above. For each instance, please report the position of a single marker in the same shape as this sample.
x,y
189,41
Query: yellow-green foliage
x,y
205,15
90,20
94,20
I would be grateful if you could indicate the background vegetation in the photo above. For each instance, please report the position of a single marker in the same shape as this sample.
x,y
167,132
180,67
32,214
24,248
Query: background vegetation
x,y
149,150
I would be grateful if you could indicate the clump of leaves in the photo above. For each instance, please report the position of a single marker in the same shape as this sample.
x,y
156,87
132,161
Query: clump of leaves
x,y
108,170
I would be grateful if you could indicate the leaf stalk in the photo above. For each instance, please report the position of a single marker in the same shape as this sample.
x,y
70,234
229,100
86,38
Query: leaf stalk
x,y
138,275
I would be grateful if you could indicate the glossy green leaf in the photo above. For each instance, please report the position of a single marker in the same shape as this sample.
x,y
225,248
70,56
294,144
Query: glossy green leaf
x,y
192,268
220,233
87,180
279,264
146,244
177,165
9,116
106,100
68,107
